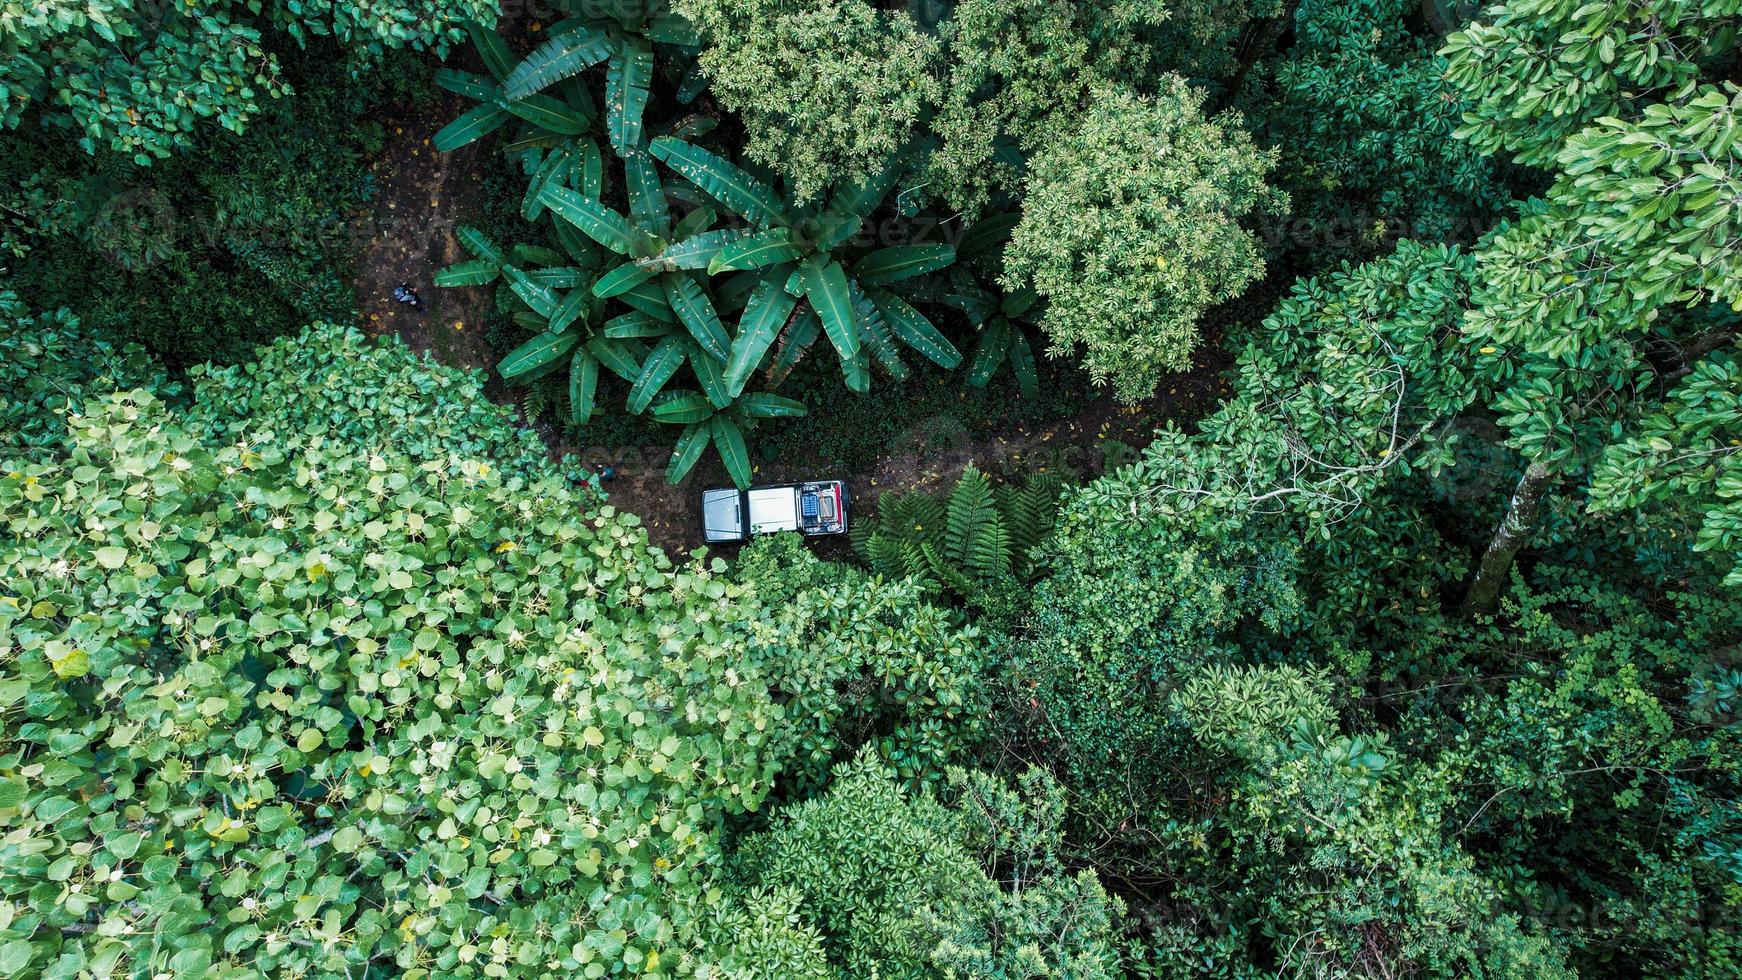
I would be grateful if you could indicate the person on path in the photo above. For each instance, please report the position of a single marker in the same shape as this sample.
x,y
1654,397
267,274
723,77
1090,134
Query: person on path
x,y
405,294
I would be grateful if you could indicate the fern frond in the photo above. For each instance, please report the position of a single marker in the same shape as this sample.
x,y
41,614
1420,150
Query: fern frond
x,y
947,573
971,510
1030,511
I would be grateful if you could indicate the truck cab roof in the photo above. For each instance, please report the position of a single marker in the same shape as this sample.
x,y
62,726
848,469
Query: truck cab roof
x,y
814,508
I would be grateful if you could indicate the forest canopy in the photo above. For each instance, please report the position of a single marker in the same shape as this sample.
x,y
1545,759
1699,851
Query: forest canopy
x,y
1289,464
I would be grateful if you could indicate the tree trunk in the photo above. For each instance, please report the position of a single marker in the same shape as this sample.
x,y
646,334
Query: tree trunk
x,y
1509,537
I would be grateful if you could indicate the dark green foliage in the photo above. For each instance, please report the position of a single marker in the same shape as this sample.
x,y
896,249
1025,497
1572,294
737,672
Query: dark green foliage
x,y
52,365
1363,120
865,662
899,884
204,256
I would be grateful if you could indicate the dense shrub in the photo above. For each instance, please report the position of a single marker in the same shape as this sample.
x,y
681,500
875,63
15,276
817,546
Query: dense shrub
x,y
50,365
1130,230
899,884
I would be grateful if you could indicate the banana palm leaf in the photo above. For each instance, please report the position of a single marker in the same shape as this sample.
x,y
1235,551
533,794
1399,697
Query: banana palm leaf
x,y
539,297
1022,363
646,198
566,54
596,221
767,405
472,272
626,92
696,312
545,349
465,83
659,367
915,330
697,251
801,333
994,346
636,325
825,286
711,374
682,408
622,279
583,385
548,113
902,262
473,124
757,251
573,307
721,180
588,173
987,235
687,452
729,441
620,357
764,316
492,50
649,297
474,241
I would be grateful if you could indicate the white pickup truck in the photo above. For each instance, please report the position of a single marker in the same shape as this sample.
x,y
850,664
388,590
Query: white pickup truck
x,y
730,514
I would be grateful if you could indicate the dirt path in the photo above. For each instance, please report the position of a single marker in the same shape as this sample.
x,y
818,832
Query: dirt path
x,y
410,237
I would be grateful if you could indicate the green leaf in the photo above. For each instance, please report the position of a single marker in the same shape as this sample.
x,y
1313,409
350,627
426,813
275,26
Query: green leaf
x,y
687,452
588,172
994,343
475,87
683,408
15,957
617,356
826,288
697,251
573,306
555,164
534,294
473,124
472,272
721,180
347,839
649,298
622,279
767,405
711,372
729,440
801,333
569,53
660,366
875,333
536,353
757,251
636,325
763,318
646,198
1022,364
987,234
596,221
548,113
475,242
583,385
915,330
696,312
626,91
111,557
902,262
492,50
671,29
